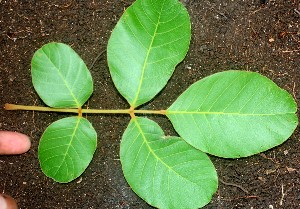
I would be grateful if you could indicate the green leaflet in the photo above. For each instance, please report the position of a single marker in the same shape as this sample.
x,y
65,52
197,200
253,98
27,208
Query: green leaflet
x,y
60,77
234,114
150,39
66,148
165,171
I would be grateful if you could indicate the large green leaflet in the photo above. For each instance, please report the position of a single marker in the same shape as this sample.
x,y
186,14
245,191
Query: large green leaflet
x,y
165,171
150,39
234,114
66,148
60,76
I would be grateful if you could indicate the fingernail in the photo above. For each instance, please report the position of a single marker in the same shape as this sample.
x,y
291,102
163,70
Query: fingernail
x,y
3,204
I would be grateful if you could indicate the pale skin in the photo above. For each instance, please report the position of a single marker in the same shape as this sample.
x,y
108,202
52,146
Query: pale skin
x,y
12,143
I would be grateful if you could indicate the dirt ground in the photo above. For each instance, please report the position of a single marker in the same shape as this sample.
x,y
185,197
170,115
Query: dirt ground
x,y
254,35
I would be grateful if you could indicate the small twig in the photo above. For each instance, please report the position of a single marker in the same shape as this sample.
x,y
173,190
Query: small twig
x,y
283,194
253,12
291,51
240,197
297,11
95,60
63,6
268,158
234,185
294,94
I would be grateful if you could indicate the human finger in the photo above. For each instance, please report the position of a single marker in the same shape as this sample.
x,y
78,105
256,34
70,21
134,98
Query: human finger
x,y
7,202
13,143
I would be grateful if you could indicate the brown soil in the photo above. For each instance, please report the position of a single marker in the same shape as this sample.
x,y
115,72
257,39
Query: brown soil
x,y
256,35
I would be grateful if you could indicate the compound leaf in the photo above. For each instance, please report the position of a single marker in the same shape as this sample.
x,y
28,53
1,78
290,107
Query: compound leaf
x,y
149,40
234,114
165,171
66,148
60,76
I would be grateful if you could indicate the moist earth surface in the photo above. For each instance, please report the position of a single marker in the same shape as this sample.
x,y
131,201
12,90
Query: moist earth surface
x,y
254,35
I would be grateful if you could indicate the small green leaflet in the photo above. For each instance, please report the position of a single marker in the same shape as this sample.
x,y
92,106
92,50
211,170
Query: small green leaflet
x,y
60,76
66,148
149,40
165,171
234,114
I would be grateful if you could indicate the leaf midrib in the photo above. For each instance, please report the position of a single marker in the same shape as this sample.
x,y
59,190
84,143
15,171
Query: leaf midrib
x,y
72,136
156,156
64,80
146,61
170,112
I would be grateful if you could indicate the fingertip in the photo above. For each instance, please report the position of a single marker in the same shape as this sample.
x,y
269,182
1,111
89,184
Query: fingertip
x,y
7,202
3,204
13,143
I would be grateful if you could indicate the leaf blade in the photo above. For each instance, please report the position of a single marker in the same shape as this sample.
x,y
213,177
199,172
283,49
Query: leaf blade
x,y
60,76
234,114
159,169
143,33
66,148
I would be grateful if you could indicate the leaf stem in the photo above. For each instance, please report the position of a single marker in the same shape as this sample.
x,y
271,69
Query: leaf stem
x,y
75,110
159,112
